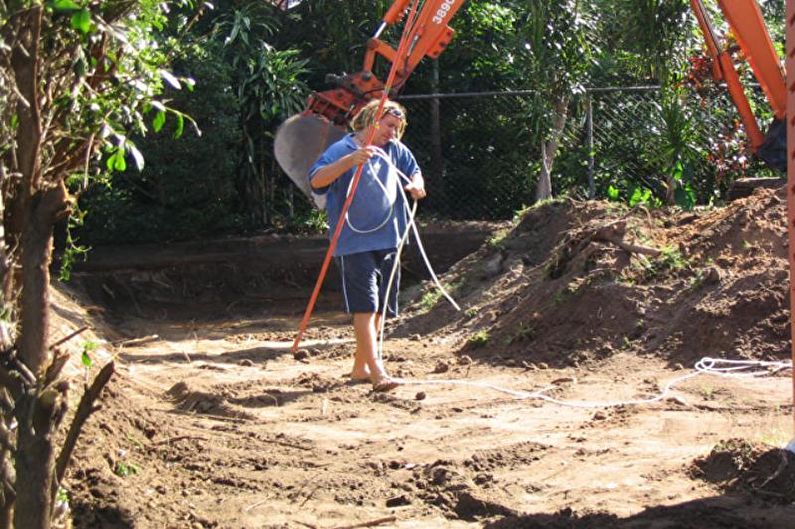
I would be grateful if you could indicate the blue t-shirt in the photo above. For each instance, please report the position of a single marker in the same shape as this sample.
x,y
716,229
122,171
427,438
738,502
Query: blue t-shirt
x,y
377,216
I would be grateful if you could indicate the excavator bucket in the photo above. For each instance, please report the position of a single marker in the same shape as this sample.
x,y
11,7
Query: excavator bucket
x,y
299,143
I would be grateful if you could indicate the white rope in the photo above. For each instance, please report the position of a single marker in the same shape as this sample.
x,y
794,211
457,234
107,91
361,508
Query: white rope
x,y
392,274
368,166
705,366
411,226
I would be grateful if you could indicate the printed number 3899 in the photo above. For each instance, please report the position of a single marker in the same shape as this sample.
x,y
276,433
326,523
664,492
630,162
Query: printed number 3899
x,y
443,11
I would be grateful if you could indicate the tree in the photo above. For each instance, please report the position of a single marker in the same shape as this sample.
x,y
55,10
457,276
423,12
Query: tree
x,y
268,87
78,78
558,47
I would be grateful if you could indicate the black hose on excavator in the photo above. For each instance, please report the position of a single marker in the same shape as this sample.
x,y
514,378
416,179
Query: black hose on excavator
x,y
774,150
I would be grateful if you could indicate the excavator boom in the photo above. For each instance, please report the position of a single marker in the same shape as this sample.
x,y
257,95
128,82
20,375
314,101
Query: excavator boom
x,y
302,138
746,23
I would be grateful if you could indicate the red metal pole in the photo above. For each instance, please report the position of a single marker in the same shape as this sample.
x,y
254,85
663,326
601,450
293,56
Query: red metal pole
x,y
790,65
402,48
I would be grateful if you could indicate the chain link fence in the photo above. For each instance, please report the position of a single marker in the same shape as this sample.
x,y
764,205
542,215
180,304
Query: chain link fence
x,y
481,160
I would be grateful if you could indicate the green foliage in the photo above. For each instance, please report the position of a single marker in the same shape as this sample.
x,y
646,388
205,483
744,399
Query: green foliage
x,y
525,332
479,339
72,250
669,260
88,348
62,496
497,239
224,180
429,300
268,87
124,470
187,189
314,221
652,35
677,152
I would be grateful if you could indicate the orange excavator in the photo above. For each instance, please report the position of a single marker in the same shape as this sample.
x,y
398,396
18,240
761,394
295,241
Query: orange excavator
x,y
302,138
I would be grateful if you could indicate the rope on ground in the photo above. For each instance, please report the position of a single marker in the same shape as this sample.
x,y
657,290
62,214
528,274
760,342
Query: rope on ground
x,y
705,366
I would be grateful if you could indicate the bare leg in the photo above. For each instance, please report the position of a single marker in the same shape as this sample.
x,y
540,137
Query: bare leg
x,y
365,361
360,369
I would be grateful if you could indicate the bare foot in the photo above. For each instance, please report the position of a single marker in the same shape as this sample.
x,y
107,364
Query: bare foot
x,y
360,376
385,384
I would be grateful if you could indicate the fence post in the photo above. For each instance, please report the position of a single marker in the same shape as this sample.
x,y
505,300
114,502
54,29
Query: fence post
x,y
589,132
437,163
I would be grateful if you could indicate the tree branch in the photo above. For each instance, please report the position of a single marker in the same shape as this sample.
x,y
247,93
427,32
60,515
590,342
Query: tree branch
x,y
84,410
69,336
11,383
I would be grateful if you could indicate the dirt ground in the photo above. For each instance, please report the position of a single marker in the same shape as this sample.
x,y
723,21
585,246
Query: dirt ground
x,y
562,395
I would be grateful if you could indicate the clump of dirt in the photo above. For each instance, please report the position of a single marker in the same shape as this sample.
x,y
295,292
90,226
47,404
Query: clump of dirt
x,y
209,402
574,282
739,465
453,490
727,461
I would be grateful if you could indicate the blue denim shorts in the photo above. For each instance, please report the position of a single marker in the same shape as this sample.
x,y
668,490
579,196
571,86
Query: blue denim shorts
x,y
364,281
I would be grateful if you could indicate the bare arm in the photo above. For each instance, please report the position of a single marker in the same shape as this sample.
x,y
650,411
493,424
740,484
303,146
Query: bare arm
x,y
417,186
326,175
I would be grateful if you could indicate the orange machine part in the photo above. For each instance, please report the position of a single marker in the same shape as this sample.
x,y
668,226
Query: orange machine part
x,y
429,36
746,22
737,93
745,19
790,90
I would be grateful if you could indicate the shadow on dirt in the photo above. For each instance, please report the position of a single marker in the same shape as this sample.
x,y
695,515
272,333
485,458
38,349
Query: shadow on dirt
x,y
253,356
721,512
102,517
739,465
226,403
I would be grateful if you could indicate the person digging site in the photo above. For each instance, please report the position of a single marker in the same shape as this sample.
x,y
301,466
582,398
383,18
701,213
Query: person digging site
x,y
374,225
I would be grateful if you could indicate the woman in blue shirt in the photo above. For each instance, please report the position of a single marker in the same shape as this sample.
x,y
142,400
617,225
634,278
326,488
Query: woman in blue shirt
x,y
374,224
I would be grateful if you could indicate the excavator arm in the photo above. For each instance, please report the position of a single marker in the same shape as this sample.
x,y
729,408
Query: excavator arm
x,y
302,138
428,37
745,20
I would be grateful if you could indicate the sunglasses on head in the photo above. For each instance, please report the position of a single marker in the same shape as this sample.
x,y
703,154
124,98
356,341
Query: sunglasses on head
x,y
394,112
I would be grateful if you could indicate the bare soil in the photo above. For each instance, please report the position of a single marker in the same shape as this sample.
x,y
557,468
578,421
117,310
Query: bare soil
x,y
543,403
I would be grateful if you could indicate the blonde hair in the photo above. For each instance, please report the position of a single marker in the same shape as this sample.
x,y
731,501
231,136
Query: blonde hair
x,y
366,116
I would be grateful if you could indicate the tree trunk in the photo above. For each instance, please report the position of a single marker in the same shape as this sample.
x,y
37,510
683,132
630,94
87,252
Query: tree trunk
x,y
9,496
549,148
670,190
36,208
25,159
35,462
544,185
36,410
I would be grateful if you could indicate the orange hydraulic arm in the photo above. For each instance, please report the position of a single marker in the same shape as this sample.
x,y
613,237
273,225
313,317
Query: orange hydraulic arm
x,y
428,37
746,22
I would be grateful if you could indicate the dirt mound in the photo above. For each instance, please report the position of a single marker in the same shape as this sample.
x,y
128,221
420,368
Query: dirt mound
x,y
573,282
105,458
739,465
